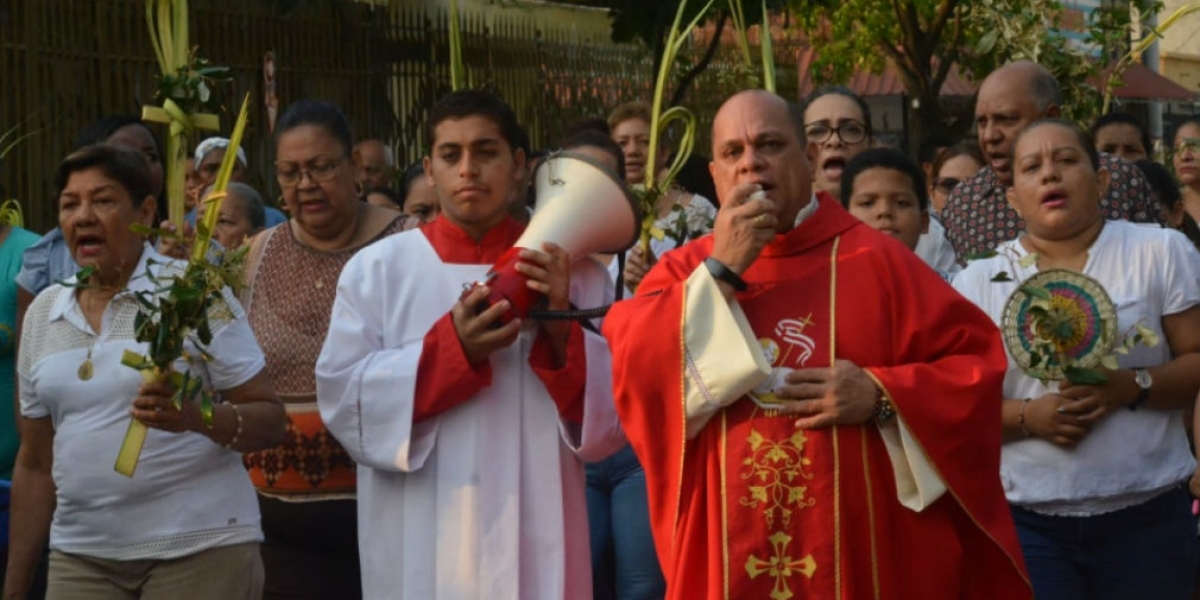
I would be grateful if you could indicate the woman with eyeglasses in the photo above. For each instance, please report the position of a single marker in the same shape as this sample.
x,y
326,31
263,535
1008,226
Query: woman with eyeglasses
x,y
837,125
1185,157
306,487
953,165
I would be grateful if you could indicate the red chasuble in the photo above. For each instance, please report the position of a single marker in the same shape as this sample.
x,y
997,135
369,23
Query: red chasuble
x,y
752,507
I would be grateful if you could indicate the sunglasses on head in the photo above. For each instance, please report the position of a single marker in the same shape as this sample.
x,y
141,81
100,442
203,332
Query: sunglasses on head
x,y
946,184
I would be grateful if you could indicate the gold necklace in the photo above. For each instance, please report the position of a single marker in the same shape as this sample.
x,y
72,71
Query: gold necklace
x,y
87,367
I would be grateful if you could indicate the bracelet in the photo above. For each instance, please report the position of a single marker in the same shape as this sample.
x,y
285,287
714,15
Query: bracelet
x,y
236,432
1021,417
721,272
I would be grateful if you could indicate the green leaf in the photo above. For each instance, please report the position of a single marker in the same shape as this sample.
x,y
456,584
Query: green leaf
x,y
206,409
1002,276
981,255
1082,376
987,43
1036,292
1110,362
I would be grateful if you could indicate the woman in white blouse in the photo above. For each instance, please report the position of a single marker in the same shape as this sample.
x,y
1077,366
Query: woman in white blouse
x,y
187,523
1095,474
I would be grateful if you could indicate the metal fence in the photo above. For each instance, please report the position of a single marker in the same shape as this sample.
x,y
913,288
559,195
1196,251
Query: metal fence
x,y
64,63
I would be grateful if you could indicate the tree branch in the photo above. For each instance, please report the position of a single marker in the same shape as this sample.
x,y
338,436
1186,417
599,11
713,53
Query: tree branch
x,y
685,82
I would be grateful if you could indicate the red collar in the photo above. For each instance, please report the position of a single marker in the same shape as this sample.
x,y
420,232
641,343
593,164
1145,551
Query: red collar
x,y
454,246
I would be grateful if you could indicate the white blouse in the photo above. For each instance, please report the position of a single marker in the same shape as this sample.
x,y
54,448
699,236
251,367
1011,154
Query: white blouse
x,y
1129,456
188,493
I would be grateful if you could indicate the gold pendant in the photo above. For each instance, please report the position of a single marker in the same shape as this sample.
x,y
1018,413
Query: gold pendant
x,y
320,284
85,370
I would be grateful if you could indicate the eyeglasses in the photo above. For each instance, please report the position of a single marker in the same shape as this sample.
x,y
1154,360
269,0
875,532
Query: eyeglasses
x,y
290,174
1187,145
946,185
850,132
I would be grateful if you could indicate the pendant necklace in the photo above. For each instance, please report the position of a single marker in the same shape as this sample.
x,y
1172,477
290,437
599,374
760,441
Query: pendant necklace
x,y
85,369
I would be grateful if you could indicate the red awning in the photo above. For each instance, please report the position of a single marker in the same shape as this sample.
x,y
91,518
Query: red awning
x,y
887,83
1139,82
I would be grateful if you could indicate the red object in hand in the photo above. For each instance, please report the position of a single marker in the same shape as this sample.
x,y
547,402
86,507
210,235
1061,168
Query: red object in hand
x,y
504,282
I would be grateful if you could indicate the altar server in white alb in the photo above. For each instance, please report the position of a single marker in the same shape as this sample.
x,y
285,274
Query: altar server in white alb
x,y
469,435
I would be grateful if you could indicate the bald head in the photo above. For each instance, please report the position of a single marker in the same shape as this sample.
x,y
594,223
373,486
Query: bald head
x,y
758,140
374,163
1011,98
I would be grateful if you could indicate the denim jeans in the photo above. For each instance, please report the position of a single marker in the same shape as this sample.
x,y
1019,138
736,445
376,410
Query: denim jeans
x,y
624,563
1137,553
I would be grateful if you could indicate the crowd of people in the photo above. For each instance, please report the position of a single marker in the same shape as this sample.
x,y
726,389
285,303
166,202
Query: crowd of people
x,y
801,389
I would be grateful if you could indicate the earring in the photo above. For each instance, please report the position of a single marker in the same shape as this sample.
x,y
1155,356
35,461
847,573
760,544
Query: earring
x,y
359,190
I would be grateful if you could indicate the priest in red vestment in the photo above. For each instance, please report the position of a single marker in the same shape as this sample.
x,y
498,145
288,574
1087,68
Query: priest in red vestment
x,y
816,410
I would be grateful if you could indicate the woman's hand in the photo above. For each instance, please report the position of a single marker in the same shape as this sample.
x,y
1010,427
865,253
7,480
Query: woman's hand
x,y
155,408
1091,403
637,265
1045,419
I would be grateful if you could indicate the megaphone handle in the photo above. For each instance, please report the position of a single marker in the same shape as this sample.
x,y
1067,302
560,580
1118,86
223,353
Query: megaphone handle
x,y
504,282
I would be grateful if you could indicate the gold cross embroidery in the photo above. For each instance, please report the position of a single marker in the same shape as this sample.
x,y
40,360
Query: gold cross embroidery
x,y
781,566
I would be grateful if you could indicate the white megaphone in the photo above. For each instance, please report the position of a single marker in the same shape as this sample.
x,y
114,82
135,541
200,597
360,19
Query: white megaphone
x,y
583,207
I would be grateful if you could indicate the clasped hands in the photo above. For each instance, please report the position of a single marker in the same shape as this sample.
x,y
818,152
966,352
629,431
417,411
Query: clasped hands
x,y
549,273
1065,417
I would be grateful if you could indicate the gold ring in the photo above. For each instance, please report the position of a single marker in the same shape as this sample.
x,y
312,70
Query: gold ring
x,y
761,220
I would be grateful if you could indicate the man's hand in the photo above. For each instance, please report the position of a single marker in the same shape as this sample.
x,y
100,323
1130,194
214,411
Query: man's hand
x,y
1050,417
637,265
154,407
549,274
743,227
479,340
841,395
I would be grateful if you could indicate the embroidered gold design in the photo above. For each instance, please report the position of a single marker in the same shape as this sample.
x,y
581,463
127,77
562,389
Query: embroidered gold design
x,y
781,566
777,475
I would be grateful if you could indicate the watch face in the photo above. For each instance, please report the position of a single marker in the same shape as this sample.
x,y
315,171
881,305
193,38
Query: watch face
x,y
1142,378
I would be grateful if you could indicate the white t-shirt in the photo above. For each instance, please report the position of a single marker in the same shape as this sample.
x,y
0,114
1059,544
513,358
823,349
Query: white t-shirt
x,y
936,251
1130,456
188,493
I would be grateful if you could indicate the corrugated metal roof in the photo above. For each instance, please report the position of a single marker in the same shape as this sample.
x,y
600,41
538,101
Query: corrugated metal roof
x,y
1141,83
887,83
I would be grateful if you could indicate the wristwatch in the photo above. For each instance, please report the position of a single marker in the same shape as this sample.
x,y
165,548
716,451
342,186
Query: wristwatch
x,y
721,272
1143,380
884,411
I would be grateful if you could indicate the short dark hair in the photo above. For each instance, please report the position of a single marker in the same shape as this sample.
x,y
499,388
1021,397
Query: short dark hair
x,y
585,124
1162,182
628,111
127,167
951,152
839,90
468,103
931,147
98,131
1123,118
1081,134
1193,120
884,158
411,174
317,113
597,139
